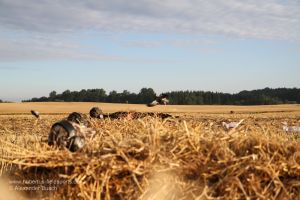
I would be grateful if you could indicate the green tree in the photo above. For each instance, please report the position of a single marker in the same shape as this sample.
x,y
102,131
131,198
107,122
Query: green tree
x,y
254,97
146,95
67,96
52,95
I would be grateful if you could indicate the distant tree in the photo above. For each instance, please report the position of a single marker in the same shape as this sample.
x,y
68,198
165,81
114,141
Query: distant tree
x,y
96,95
266,96
35,99
208,98
113,97
52,95
1,101
125,96
146,95
80,96
67,96
43,99
199,98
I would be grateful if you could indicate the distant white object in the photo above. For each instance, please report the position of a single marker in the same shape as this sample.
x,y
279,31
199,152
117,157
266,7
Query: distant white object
x,y
231,124
288,128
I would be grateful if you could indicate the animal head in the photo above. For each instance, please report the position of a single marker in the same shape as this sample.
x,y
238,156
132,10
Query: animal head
x,y
96,112
78,118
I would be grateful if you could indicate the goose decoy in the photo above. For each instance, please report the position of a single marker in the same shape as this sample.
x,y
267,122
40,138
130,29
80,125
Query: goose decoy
x,y
232,125
96,112
65,134
78,118
35,113
75,143
163,99
288,128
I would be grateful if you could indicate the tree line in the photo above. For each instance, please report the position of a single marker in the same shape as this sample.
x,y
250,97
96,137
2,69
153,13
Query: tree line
x,y
265,96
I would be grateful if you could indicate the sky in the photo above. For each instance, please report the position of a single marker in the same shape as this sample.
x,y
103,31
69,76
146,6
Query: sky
x,y
215,45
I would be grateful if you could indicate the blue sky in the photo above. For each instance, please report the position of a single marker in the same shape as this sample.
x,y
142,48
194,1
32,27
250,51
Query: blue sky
x,y
217,45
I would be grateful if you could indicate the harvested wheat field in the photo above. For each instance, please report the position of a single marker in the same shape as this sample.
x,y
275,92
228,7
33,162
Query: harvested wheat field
x,y
189,157
64,108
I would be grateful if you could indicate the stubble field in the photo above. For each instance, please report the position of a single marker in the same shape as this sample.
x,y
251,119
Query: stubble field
x,y
189,157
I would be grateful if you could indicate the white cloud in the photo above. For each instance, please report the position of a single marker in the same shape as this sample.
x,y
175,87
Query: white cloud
x,y
168,42
273,19
46,25
42,48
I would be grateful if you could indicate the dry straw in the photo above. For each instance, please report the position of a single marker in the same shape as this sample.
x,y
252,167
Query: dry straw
x,y
187,158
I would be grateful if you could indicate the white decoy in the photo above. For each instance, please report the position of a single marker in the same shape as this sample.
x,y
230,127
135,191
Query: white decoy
x,y
288,128
231,124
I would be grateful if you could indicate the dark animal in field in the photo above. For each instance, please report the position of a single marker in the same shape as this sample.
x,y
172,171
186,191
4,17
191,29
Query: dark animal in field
x,y
96,112
163,99
35,113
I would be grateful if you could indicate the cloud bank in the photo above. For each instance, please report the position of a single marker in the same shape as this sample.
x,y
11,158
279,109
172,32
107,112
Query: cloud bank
x,y
272,19
56,19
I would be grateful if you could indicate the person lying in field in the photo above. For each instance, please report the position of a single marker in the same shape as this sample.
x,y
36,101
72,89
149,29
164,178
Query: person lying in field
x,y
98,114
